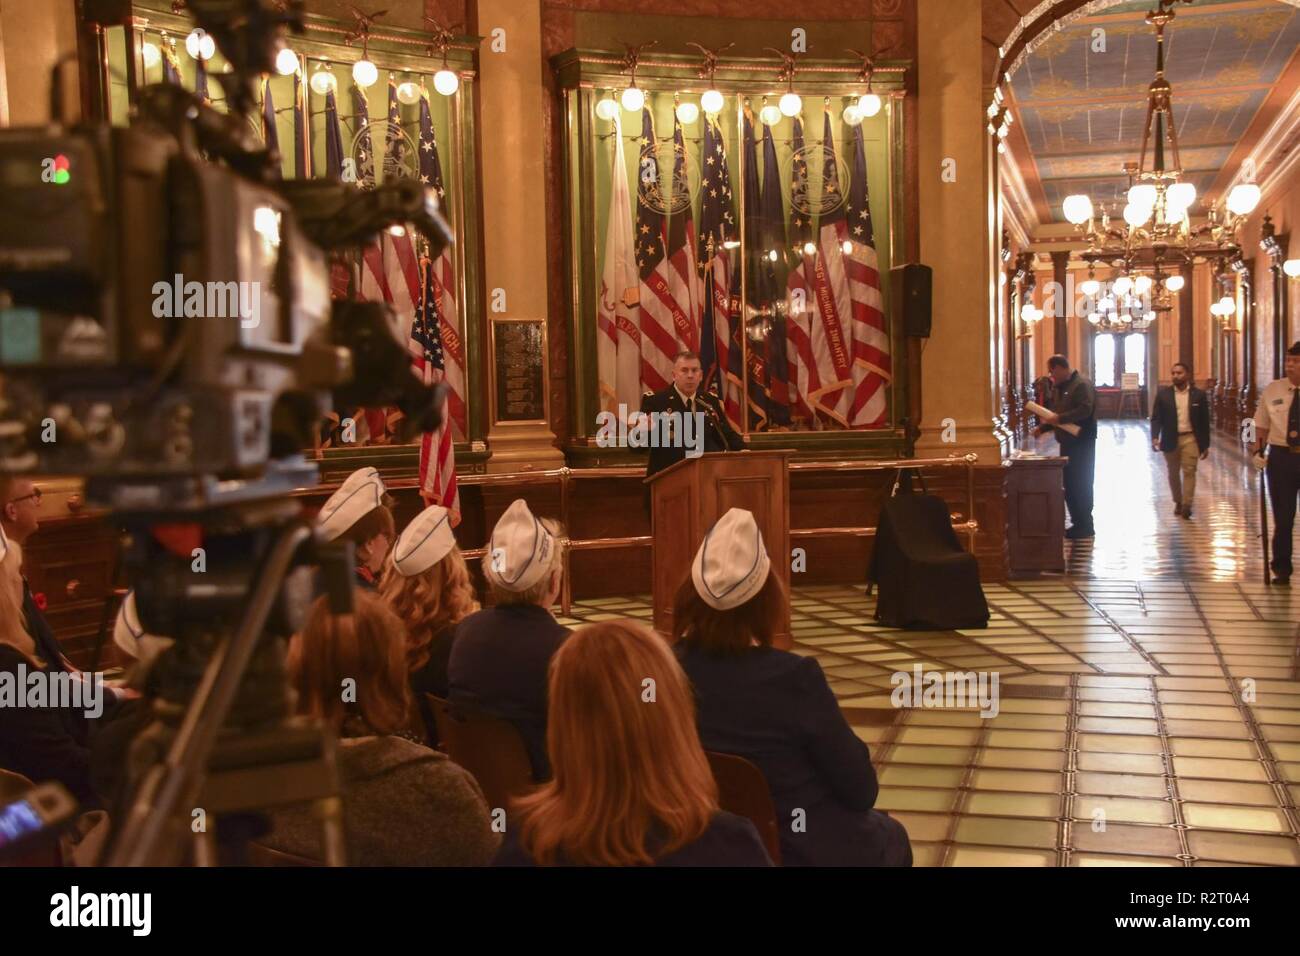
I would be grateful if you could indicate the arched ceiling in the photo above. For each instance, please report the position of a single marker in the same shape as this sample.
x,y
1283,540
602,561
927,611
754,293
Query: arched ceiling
x,y
1079,96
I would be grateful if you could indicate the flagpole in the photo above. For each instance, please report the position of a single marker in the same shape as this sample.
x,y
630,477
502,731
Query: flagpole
x,y
744,278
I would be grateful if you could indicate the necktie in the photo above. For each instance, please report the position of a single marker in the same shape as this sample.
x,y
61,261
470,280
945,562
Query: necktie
x,y
1293,420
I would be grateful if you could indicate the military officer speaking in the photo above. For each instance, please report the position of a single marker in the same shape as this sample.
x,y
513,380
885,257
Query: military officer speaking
x,y
684,397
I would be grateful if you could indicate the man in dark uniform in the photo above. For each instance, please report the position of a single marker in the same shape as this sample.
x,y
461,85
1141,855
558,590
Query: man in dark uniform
x,y
685,398
1075,404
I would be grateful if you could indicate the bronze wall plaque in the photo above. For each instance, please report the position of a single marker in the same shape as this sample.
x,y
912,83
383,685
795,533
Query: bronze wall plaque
x,y
519,352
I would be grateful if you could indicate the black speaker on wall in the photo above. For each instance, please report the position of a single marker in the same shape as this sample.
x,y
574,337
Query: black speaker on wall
x,y
910,289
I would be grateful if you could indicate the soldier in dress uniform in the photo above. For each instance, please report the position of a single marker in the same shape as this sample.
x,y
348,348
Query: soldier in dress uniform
x,y
684,396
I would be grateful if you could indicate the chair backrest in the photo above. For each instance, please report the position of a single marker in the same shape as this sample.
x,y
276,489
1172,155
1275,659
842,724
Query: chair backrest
x,y
490,748
742,790
46,853
259,855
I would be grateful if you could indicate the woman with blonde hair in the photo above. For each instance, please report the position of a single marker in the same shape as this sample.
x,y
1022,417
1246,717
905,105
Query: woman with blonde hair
x,y
403,804
631,783
426,583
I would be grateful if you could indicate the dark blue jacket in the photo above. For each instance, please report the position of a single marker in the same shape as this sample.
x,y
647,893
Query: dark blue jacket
x,y
729,841
499,663
776,710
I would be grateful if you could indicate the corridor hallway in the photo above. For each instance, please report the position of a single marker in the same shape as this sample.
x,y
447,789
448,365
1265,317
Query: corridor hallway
x,y
1149,710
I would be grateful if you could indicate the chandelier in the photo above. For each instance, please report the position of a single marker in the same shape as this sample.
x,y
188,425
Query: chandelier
x,y
1155,216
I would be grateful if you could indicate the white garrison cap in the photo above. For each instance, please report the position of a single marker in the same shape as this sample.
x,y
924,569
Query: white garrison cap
x,y
520,550
360,494
424,542
129,635
732,563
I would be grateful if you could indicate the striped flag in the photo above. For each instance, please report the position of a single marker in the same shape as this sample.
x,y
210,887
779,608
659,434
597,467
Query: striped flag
x,y
717,228
444,281
803,374
618,340
872,366
830,293
684,283
437,452
660,319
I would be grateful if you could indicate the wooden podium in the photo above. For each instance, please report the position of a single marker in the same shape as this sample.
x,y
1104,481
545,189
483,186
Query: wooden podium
x,y
689,497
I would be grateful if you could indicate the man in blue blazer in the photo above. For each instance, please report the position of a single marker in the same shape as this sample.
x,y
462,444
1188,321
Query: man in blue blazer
x,y
1180,427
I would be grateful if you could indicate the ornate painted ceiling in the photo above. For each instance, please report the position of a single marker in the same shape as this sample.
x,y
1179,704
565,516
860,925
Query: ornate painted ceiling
x,y
1080,97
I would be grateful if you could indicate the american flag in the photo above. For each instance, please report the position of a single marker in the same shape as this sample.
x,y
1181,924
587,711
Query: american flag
x,y
444,280
717,228
872,367
661,316
803,376
437,453
683,274
832,349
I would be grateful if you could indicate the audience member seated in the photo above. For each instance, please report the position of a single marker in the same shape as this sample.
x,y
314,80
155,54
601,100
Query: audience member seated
x,y
427,584
403,804
500,655
358,512
44,742
632,785
775,708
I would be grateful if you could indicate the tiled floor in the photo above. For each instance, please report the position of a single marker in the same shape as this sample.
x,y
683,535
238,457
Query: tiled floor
x,y
1149,710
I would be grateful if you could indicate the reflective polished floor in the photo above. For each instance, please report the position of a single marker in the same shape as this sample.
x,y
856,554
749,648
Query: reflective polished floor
x,y
1148,705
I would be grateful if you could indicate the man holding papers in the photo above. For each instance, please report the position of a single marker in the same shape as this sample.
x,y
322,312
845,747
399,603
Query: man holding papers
x,y
1073,416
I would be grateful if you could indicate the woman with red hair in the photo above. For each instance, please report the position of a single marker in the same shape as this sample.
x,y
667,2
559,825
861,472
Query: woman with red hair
x,y
631,783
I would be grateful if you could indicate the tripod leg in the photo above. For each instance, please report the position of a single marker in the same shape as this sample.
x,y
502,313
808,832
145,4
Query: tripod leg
x,y
332,840
205,849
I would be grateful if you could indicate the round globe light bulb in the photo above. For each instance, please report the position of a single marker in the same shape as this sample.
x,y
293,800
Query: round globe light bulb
x,y
791,104
1094,318
446,82
151,54
1243,199
1090,287
809,249
1077,208
869,104
687,112
323,81
632,99
286,62
607,109
200,46
1136,215
712,101
365,73
408,93
1122,285
1174,283
1228,304
770,115
852,116
847,247
1292,268
1182,194
771,255
1142,195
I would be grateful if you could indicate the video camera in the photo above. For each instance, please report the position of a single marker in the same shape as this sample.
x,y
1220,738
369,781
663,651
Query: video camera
x,y
165,315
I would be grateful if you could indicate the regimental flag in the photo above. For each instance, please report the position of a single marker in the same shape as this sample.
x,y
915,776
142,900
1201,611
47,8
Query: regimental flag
x,y
803,374
661,320
171,66
301,131
872,366
758,276
437,452
830,287
270,135
443,277
618,340
333,138
771,290
683,273
363,143
201,80
717,229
